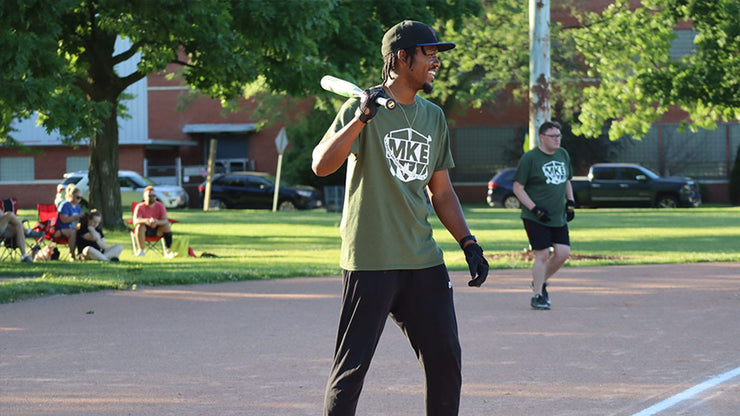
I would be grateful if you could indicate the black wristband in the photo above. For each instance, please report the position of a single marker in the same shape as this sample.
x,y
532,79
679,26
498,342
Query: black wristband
x,y
466,239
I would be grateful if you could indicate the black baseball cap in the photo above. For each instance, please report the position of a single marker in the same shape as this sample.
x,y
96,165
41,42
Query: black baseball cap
x,y
411,33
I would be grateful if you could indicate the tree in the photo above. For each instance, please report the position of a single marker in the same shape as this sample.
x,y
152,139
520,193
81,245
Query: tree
x,y
492,55
491,58
58,58
75,89
489,64
628,50
353,53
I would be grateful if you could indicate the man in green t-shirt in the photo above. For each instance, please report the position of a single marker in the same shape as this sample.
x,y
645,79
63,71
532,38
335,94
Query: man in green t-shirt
x,y
391,263
542,184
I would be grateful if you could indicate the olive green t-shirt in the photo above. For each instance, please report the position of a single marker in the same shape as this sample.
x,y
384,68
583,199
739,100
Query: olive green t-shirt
x,y
544,178
385,218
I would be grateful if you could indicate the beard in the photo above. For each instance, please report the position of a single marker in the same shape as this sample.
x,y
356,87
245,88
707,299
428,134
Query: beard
x,y
427,87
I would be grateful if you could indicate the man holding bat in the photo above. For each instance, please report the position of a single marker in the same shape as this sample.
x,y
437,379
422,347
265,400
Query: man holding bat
x,y
391,263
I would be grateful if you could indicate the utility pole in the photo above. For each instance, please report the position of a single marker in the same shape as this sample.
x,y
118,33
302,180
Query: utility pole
x,y
539,67
209,175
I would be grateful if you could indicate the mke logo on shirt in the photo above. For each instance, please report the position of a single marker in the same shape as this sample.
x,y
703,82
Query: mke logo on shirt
x,y
408,153
555,172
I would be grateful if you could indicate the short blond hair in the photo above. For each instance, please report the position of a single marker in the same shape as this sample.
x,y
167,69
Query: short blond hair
x,y
71,191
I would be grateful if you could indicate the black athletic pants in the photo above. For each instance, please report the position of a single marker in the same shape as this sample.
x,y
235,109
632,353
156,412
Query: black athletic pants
x,y
420,302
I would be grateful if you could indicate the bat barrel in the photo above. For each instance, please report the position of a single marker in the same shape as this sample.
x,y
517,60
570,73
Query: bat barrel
x,y
348,89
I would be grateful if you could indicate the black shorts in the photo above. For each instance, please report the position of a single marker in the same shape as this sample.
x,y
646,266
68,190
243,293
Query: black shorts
x,y
542,237
151,232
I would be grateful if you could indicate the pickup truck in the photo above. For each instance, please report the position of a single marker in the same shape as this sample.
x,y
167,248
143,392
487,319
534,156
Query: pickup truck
x,y
631,185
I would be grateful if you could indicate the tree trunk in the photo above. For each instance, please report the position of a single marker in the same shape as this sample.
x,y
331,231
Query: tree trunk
x,y
105,194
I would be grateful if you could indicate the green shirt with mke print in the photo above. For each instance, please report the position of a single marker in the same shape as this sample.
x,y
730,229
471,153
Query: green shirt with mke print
x,y
544,178
385,222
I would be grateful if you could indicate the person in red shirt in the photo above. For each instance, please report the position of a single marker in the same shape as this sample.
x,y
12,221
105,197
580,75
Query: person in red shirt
x,y
150,219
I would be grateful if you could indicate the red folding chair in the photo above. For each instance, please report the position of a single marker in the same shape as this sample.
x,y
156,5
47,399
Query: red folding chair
x,y
47,225
151,241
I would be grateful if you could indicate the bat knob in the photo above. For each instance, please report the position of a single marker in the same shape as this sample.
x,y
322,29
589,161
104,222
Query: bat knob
x,y
388,103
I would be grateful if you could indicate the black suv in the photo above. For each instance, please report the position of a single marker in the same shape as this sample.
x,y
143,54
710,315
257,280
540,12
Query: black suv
x,y
256,190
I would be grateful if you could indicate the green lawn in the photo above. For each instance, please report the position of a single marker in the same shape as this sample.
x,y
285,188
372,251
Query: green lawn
x,y
251,244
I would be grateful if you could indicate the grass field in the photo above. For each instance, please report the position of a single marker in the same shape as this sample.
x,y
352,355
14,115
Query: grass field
x,y
251,244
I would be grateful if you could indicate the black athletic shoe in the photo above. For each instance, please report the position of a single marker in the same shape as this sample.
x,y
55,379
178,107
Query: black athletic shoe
x,y
544,291
538,302
545,294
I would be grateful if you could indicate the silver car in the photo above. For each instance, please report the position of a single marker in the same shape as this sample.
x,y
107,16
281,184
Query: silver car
x,y
132,188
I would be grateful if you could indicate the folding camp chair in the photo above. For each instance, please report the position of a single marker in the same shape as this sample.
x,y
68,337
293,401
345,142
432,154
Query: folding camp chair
x,y
8,247
47,225
151,241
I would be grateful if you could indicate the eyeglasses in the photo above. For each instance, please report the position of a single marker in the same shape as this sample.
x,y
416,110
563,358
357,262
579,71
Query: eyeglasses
x,y
77,197
553,136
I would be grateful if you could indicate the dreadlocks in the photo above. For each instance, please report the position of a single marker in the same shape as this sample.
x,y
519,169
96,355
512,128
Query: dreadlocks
x,y
390,61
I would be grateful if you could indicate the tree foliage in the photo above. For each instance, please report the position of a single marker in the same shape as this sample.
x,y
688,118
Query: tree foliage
x,y
59,58
628,50
492,53
352,52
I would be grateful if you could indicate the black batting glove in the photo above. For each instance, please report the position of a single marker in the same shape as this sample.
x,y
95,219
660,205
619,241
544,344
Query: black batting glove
x,y
368,106
541,213
477,264
570,210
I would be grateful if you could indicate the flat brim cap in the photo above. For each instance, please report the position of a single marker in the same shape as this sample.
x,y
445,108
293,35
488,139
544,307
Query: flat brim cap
x,y
411,33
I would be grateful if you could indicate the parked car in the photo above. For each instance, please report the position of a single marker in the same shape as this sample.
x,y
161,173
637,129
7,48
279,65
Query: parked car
x,y
501,190
632,185
132,189
256,190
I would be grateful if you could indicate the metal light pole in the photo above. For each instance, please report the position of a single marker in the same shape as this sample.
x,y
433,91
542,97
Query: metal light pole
x,y
539,67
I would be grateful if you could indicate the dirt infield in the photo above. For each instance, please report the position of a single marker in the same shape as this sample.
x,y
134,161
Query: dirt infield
x,y
618,340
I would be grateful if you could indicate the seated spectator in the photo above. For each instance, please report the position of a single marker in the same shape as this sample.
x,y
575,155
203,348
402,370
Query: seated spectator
x,y
90,241
12,227
69,214
150,219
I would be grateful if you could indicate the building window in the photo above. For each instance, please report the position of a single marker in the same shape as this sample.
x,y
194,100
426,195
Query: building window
x,y
683,45
16,169
75,163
